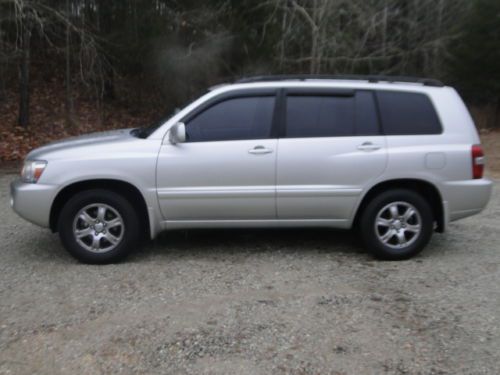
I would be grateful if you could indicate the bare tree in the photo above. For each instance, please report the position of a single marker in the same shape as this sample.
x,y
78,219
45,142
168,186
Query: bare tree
x,y
29,17
26,25
69,94
388,36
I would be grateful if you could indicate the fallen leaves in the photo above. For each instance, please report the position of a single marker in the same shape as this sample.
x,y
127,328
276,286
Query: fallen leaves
x,y
48,119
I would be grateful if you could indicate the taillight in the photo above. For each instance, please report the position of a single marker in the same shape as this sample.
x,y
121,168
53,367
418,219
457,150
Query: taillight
x,y
477,162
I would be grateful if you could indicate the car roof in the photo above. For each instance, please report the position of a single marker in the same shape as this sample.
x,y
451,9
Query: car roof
x,y
339,84
402,83
349,77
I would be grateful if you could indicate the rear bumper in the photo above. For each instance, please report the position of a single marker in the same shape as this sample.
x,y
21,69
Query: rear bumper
x,y
465,198
32,201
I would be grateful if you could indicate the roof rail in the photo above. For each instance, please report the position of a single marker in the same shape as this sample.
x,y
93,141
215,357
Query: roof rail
x,y
369,78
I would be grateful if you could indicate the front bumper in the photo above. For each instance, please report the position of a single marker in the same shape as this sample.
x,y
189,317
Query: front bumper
x,y
466,198
32,201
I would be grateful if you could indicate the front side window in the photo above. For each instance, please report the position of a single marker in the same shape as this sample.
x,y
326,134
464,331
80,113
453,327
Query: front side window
x,y
233,119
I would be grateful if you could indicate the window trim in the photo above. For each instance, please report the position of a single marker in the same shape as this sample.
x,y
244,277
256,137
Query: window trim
x,y
237,94
280,114
381,122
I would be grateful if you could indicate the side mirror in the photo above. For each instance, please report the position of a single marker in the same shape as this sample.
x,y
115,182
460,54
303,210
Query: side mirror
x,y
177,133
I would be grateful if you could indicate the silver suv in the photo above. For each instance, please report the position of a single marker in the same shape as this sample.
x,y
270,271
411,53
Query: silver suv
x,y
395,158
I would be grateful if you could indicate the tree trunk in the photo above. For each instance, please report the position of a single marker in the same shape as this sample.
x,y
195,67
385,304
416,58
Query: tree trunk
x,y
105,19
2,82
69,98
384,30
496,117
24,74
314,38
2,67
282,41
437,44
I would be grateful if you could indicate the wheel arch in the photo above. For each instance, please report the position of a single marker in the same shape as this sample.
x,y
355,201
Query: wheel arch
x,y
126,189
428,191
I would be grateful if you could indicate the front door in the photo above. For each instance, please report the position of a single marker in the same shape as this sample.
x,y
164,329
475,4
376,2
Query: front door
x,y
226,169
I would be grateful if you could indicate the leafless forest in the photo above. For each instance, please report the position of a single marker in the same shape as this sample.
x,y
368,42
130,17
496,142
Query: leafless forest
x,y
72,66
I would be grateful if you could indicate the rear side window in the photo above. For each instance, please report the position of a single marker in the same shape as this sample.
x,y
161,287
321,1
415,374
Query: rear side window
x,y
331,116
233,119
407,113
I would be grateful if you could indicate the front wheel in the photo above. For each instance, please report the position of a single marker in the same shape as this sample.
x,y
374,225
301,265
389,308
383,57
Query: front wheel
x,y
98,226
397,224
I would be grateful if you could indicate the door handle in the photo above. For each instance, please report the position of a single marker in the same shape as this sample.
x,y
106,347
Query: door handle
x,y
259,150
369,146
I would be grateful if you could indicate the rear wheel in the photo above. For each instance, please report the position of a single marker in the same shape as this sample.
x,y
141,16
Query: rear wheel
x,y
98,226
397,224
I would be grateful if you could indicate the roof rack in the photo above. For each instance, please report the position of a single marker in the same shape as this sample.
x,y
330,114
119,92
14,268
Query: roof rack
x,y
369,78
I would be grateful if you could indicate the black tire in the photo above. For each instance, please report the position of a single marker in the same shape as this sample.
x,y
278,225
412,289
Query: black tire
x,y
386,251
129,238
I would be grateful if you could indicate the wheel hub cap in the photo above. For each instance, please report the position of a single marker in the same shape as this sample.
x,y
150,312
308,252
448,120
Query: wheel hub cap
x,y
398,225
98,228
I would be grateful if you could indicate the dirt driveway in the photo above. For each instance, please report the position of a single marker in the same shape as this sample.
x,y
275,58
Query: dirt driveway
x,y
251,302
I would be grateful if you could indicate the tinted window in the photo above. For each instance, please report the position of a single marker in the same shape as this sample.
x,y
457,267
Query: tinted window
x,y
332,116
319,116
366,114
407,113
233,119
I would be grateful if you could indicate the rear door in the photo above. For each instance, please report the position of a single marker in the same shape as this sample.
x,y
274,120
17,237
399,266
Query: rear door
x,y
330,148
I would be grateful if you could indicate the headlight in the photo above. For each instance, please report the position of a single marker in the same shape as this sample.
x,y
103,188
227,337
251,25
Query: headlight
x,y
32,170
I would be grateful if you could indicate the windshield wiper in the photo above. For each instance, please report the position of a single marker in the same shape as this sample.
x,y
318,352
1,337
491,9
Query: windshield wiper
x,y
139,132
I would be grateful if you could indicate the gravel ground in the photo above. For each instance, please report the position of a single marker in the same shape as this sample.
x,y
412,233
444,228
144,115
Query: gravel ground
x,y
251,302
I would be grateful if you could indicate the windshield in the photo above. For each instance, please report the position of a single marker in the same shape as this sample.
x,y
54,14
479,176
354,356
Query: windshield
x,y
146,131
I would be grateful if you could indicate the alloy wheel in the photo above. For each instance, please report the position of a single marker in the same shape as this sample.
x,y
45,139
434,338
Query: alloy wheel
x,y
98,228
398,225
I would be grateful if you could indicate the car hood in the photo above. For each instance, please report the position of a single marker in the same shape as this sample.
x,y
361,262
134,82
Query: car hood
x,y
92,139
